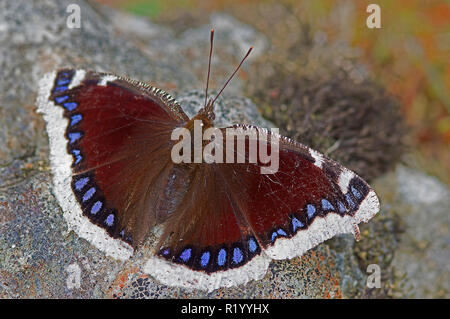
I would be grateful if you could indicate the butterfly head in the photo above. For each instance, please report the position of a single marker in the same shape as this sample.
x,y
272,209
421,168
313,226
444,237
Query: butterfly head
x,y
207,112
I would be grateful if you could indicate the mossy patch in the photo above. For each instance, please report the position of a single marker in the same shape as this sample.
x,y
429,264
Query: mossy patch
x,y
352,121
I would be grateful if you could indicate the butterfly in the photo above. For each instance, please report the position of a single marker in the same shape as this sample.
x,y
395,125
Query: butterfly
x,y
222,223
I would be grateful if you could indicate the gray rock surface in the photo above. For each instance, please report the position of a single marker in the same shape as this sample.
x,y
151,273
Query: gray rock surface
x,y
424,256
40,258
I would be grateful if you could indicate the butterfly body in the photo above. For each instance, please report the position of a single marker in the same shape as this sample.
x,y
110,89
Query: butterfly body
x,y
114,177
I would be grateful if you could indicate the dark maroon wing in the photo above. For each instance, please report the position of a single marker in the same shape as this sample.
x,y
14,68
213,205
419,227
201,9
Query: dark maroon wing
x,y
235,212
118,133
222,221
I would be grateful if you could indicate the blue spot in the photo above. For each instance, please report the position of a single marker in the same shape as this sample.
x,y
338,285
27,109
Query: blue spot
x,y
252,246
296,224
274,235
349,200
341,207
77,155
204,260
281,232
222,257
122,233
310,210
186,254
70,106
79,184
109,220
164,252
60,89
326,205
63,81
74,136
237,255
96,207
60,99
356,193
89,194
75,119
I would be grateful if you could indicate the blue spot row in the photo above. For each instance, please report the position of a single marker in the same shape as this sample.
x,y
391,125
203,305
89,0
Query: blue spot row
x,y
279,232
62,81
252,245
325,206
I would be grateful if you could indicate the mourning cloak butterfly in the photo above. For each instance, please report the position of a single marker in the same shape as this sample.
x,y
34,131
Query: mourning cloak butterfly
x,y
113,175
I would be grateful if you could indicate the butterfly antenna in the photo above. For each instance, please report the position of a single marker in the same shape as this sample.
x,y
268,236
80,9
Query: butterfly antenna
x,y
235,71
209,65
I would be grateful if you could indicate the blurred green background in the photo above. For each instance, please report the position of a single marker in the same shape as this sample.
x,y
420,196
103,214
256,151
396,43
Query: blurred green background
x,y
409,55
